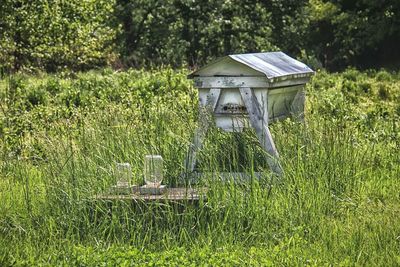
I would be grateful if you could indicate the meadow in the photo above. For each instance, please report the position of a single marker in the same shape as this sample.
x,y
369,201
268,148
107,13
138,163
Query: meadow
x,y
338,202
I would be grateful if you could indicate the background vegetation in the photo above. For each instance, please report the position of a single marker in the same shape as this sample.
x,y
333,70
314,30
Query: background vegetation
x,y
76,34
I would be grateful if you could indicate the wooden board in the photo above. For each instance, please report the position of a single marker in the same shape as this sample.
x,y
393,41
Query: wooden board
x,y
205,119
259,121
253,82
171,194
231,82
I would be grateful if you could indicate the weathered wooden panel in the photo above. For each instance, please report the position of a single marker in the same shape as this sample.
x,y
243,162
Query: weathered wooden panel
x,y
232,123
171,194
231,113
226,66
259,121
289,82
205,119
252,82
280,101
231,82
298,104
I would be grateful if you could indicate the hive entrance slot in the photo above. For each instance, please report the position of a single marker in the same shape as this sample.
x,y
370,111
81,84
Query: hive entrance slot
x,y
232,108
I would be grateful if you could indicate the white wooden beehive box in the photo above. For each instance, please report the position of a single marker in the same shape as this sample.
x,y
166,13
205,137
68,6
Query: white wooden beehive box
x,y
276,80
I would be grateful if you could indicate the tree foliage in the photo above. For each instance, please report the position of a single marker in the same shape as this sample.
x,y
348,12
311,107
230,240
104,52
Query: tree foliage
x,y
55,34
176,32
359,33
58,34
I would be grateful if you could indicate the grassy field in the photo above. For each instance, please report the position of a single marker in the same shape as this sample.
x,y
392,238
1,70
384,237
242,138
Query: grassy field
x,y
337,204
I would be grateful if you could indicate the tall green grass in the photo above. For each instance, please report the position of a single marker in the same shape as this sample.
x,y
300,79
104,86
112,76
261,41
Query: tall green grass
x,y
338,202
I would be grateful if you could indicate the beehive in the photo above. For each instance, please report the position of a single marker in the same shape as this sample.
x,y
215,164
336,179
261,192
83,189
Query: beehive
x,y
277,81
253,90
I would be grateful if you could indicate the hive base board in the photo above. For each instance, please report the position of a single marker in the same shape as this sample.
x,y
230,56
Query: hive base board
x,y
194,177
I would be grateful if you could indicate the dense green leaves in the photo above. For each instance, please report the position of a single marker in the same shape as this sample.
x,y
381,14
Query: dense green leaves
x,y
54,35
192,32
360,33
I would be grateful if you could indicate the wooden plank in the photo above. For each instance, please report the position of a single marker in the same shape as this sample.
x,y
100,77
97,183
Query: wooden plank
x,y
245,81
212,99
172,194
231,82
289,82
236,177
205,119
259,121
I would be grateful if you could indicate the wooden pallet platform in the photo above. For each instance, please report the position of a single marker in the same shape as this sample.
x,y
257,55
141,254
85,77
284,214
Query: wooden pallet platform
x,y
171,194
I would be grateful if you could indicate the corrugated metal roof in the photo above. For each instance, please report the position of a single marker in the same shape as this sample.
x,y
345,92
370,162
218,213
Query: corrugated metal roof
x,y
272,64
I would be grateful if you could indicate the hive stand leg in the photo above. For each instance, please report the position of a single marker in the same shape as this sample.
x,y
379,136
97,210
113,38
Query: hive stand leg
x,y
259,121
297,107
205,120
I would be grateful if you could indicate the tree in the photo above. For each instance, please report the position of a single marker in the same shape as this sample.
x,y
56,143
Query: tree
x,y
55,34
358,33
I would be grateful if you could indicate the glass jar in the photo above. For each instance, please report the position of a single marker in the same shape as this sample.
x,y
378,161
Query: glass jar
x,y
153,170
123,174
